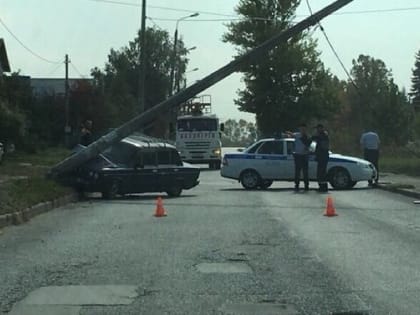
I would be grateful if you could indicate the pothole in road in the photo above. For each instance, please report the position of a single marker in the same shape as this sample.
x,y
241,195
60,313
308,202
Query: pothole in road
x,y
237,267
263,308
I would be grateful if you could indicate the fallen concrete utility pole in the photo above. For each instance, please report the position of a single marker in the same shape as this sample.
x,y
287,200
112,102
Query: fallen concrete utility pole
x,y
131,126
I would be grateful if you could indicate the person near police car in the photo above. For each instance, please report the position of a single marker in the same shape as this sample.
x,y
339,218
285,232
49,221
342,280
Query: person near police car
x,y
300,155
322,156
370,142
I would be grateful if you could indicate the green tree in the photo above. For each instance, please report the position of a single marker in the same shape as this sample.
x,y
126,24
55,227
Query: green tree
x,y
15,108
415,80
378,103
290,84
239,133
119,81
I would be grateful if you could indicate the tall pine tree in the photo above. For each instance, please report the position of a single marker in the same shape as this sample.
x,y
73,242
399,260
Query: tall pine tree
x,y
290,84
415,80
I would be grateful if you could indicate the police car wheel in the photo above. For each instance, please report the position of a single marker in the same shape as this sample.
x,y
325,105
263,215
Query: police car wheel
x,y
340,179
250,179
266,183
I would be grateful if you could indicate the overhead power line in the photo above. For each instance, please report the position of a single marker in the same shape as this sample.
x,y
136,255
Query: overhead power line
x,y
55,69
235,16
26,47
77,70
378,11
213,20
333,48
165,8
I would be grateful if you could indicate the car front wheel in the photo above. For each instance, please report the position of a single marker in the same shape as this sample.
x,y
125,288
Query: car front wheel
x,y
250,179
340,179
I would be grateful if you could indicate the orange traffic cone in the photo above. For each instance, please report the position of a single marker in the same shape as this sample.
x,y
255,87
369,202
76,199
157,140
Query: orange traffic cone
x,y
160,210
330,210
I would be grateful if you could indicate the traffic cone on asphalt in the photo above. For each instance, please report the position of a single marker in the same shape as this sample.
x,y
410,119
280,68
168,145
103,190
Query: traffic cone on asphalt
x,y
330,210
160,210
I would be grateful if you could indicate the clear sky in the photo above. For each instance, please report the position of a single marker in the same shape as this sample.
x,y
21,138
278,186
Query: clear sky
x,y
87,29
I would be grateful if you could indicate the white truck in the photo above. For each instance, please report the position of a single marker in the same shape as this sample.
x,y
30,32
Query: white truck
x,y
198,133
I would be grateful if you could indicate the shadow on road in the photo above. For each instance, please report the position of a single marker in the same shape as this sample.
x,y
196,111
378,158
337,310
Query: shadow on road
x,y
291,189
136,198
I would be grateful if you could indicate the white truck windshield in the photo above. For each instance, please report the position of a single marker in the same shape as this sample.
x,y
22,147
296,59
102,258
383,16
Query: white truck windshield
x,y
197,125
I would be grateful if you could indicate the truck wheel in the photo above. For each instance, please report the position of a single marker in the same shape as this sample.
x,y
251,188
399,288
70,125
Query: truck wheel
x,y
250,179
217,165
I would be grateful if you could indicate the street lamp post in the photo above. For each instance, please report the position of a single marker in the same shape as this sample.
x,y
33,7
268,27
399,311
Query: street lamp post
x,y
185,80
173,63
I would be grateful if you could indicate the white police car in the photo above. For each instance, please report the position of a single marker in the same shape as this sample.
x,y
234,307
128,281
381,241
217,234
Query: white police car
x,y
271,160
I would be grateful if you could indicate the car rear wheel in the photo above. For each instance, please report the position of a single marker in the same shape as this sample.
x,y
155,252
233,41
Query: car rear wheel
x,y
266,183
111,191
174,191
340,179
250,179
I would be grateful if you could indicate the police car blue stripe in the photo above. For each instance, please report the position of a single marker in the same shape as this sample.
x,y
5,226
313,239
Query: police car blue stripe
x,y
341,160
276,157
254,156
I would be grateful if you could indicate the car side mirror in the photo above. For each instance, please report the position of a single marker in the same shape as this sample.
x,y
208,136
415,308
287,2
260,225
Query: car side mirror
x,y
240,150
222,127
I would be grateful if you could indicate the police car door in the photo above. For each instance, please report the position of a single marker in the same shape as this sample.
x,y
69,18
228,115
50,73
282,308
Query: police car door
x,y
289,164
269,159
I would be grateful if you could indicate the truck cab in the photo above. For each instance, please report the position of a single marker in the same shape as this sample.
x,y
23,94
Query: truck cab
x,y
198,133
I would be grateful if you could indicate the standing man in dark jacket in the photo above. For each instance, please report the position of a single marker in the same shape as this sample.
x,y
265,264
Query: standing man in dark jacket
x,y
322,155
370,143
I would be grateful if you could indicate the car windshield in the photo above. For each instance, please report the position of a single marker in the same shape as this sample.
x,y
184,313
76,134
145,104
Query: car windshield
x,y
121,153
197,125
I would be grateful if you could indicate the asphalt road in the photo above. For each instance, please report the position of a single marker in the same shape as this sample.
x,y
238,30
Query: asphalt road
x,y
220,250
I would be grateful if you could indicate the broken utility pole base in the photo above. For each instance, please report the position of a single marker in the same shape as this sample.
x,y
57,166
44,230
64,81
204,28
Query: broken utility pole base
x,y
131,126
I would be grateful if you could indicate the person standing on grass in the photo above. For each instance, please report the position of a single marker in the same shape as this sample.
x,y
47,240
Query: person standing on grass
x,y
300,155
86,133
369,141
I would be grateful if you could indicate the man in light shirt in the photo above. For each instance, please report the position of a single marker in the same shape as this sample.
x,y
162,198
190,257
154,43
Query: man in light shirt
x,y
370,144
300,155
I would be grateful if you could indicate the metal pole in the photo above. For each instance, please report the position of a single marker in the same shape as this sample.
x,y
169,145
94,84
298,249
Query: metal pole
x,y
252,56
67,128
142,48
173,61
174,52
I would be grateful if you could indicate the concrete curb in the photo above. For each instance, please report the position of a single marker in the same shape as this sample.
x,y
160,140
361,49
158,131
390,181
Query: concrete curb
x,y
401,191
25,215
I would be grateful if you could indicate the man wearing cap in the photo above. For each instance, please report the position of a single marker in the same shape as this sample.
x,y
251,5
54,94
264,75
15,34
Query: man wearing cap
x,y
300,155
322,155
370,142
